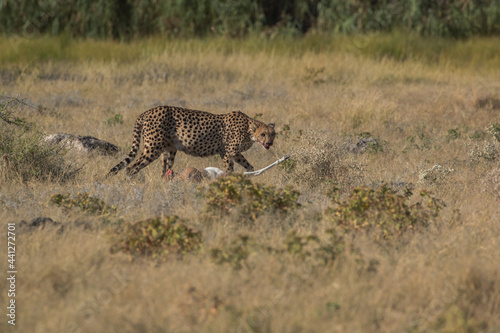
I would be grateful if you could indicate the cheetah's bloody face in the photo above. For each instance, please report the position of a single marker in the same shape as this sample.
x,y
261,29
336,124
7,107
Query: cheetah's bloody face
x,y
264,135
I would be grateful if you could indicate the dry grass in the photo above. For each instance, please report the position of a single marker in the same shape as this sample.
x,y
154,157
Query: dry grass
x,y
445,278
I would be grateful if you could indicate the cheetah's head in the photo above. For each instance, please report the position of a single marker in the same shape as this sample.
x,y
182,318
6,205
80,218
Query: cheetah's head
x,y
263,134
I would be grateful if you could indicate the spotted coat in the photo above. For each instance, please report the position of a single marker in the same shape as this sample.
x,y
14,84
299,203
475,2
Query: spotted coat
x,y
168,129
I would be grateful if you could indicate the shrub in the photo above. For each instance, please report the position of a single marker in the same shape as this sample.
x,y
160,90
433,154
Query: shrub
x,y
234,253
84,201
157,238
494,129
365,142
300,247
453,134
383,212
478,135
487,150
314,75
434,175
319,160
313,248
114,120
251,199
7,106
420,141
25,155
136,18
454,318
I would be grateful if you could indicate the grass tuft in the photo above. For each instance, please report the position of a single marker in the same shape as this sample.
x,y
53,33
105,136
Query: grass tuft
x,y
383,212
237,192
25,155
157,238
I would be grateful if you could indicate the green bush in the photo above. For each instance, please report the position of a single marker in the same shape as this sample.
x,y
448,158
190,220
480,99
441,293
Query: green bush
x,y
318,159
478,135
383,212
421,141
488,150
84,201
453,134
296,247
251,199
117,119
157,238
312,247
25,155
234,253
494,129
127,19
434,18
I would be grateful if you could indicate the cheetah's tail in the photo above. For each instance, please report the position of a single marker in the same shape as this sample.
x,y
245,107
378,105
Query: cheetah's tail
x,y
136,141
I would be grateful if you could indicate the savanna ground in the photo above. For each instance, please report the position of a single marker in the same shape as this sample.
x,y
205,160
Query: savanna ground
x,y
334,258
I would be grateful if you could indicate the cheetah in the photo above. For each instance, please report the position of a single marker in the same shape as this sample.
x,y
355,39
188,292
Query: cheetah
x,y
168,129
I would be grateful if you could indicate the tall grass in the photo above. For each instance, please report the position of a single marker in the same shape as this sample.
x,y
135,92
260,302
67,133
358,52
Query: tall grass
x,y
125,19
474,53
25,155
313,268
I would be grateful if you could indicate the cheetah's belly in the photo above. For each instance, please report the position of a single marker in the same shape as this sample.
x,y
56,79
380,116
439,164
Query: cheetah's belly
x,y
199,145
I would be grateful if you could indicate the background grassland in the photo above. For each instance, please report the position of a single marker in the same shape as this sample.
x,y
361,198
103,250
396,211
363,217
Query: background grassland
x,y
127,19
476,54
430,110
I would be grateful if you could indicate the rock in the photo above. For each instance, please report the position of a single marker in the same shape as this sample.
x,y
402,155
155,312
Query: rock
x,y
362,144
42,222
435,174
82,144
38,222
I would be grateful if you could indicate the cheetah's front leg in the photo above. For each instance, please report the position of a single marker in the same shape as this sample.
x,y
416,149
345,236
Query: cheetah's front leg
x,y
243,162
168,161
229,162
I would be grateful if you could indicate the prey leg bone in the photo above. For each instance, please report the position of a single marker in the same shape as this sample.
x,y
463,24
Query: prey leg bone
x,y
258,172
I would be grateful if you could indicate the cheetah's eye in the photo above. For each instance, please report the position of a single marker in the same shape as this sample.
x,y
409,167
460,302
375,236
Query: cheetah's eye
x,y
263,135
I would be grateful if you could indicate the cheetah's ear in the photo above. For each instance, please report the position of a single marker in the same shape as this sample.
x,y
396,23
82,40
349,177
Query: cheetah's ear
x,y
253,127
271,125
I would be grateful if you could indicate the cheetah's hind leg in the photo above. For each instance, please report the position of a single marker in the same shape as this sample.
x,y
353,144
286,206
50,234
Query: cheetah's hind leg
x,y
118,167
136,140
146,158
